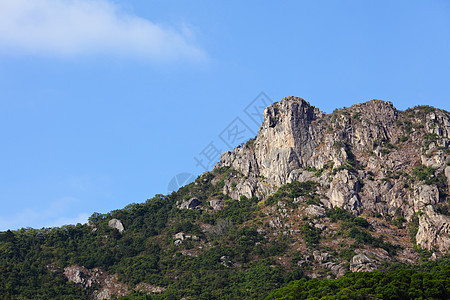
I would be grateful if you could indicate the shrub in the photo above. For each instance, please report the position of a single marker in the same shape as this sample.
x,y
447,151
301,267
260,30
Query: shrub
x,y
311,235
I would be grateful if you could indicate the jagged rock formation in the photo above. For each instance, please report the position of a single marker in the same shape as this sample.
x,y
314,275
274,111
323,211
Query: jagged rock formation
x,y
370,158
106,286
79,275
216,204
109,285
433,230
361,262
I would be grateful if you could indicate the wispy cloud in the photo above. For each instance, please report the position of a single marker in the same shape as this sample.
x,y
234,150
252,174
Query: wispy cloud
x,y
70,28
53,215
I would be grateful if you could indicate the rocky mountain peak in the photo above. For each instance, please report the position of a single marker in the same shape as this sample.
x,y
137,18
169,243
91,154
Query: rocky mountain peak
x,y
286,122
369,158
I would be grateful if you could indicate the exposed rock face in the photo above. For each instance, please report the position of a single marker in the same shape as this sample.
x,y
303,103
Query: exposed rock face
x,y
423,196
361,263
314,210
344,191
114,223
79,275
447,174
216,204
296,135
148,288
192,203
109,284
434,230
338,270
111,288
365,158
321,256
287,139
179,236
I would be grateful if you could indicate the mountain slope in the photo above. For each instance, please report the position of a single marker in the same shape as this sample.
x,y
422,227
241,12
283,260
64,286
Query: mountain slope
x,y
312,196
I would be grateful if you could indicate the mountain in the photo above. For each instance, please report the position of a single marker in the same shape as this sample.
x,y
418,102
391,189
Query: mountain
x,y
369,159
313,195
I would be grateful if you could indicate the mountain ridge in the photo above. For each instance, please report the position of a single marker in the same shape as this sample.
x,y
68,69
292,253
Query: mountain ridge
x,y
313,195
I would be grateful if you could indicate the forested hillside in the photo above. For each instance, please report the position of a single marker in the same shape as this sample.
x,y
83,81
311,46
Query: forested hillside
x,y
399,284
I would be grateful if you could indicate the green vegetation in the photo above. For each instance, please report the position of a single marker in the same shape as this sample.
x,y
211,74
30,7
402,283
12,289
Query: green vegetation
x,y
413,227
32,261
319,172
357,116
385,151
443,208
295,189
400,284
231,258
408,126
403,139
398,222
418,112
428,139
362,237
311,235
250,143
140,254
357,227
328,165
420,109
349,220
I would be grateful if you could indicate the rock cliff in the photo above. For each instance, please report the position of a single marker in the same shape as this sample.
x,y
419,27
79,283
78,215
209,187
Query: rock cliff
x,y
370,159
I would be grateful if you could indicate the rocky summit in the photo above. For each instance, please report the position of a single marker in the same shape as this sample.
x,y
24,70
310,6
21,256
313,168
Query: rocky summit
x,y
369,159
358,197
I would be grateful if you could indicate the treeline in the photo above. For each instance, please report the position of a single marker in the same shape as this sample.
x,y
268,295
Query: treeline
x,y
399,284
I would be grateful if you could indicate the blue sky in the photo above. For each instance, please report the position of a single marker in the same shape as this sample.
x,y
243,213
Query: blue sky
x,y
103,102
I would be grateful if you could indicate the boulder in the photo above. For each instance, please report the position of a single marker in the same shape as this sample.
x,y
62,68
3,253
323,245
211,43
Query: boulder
x,y
79,275
321,256
315,211
117,224
361,263
179,236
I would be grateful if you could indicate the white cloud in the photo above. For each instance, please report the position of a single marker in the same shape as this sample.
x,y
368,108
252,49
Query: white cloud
x,y
86,27
53,215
